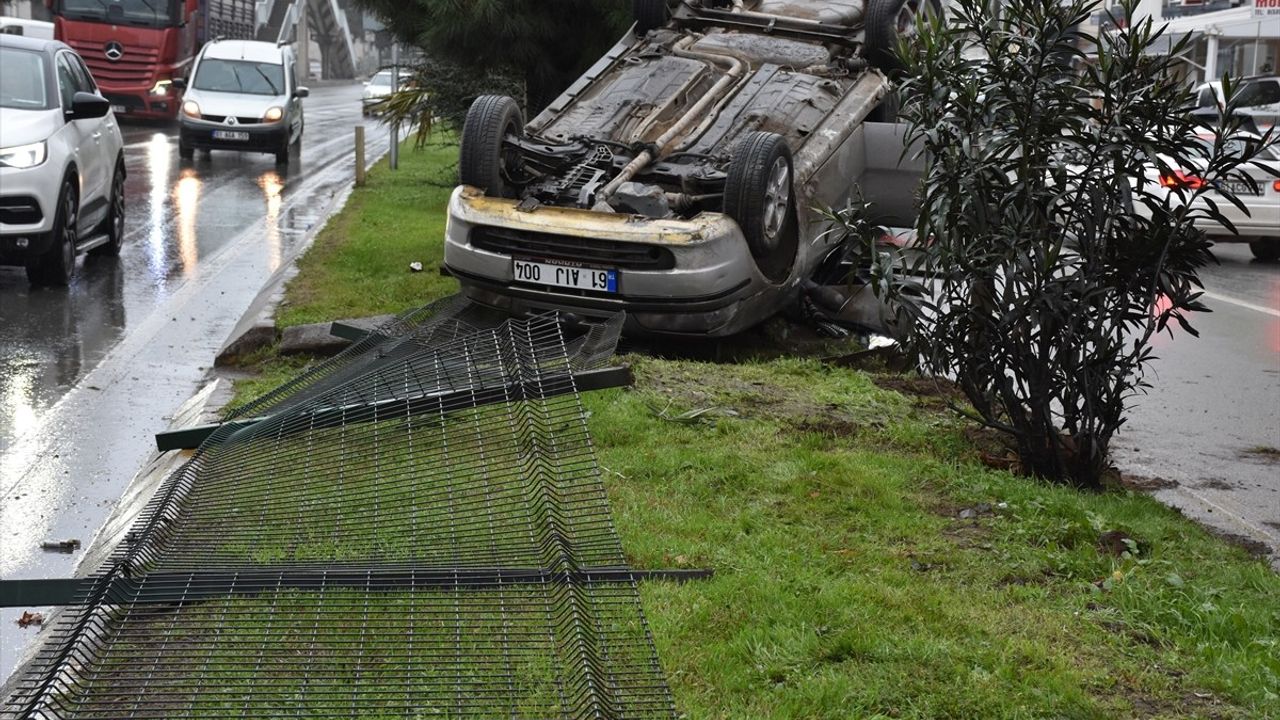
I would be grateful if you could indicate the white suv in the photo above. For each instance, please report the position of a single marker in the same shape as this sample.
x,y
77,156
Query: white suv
x,y
61,161
242,95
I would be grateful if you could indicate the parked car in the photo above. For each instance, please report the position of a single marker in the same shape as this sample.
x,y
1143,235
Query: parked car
x,y
379,86
242,95
62,166
1258,223
1258,97
680,178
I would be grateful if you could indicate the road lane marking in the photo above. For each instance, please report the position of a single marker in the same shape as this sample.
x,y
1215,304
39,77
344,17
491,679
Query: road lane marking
x,y
1241,303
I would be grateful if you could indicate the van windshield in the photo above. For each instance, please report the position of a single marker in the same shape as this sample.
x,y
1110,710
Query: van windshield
x,y
239,76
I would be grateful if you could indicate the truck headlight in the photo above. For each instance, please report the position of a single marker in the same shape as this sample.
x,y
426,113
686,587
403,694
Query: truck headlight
x,y
161,87
24,156
191,108
274,114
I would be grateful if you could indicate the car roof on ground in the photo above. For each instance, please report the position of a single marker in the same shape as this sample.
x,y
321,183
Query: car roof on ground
x,y
251,50
31,43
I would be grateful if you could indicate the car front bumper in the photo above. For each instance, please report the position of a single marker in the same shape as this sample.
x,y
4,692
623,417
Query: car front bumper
x,y
27,200
264,138
709,284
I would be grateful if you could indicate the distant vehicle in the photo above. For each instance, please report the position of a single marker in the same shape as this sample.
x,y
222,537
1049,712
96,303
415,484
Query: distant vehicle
x,y
137,48
26,28
679,179
379,86
243,95
61,161
1259,99
1260,227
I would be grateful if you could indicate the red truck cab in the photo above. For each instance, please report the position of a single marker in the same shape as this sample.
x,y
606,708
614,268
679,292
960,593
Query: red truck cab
x,y
134,48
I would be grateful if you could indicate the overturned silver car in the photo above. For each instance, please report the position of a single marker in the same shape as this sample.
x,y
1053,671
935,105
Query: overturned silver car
x,y
681,178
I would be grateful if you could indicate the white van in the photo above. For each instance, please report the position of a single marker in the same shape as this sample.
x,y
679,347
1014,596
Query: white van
x,y
242,95
26,28
1259,99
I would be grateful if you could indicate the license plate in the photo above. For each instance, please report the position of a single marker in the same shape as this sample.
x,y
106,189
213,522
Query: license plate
x,y
1238,188
119,109
566,277
230,135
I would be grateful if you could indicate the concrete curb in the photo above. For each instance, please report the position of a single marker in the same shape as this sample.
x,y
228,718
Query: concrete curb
x,y
256,329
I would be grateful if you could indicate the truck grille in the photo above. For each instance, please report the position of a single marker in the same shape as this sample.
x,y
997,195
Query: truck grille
x,y
589,251
135,67
20,210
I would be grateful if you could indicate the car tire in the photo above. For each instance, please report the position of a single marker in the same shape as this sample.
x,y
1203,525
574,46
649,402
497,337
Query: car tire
x,y
185,151
484,161
649,15
58,263
886,21
114,224
759,195
1265,249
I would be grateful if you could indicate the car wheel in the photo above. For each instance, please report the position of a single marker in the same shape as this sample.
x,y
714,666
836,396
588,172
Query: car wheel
x,y
888,20
282,154
759,195
650,15
1266,249
115,218
58,263
484,160
185,151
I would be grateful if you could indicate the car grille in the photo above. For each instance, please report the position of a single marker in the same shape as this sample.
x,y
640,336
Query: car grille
x,y
223,119
20,210
588,251
135,66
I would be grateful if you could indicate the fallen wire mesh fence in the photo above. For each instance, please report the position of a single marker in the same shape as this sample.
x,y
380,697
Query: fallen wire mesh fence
x,y
420,529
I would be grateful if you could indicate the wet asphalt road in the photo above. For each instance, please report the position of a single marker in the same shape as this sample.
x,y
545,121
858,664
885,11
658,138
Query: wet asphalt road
x,y
1213,412
89,373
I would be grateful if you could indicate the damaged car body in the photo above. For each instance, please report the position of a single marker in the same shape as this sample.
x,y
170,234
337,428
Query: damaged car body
x,y
681,178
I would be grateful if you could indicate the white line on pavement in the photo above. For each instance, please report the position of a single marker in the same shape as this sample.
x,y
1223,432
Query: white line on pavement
x,y
1241,303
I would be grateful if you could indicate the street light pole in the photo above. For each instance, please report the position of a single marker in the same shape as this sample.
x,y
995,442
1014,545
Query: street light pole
x,y
395,87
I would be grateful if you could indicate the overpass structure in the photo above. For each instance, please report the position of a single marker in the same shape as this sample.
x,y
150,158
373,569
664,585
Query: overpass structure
x,y
324,21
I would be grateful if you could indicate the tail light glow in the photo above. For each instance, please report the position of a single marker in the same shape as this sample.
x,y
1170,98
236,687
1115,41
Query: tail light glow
x,y
1180,179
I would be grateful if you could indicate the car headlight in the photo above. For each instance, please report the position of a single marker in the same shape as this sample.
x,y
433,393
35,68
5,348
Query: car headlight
x,y
161,87
191,108
24,156
273,114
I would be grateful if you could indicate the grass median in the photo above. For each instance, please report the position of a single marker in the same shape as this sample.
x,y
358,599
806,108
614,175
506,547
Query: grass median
x,y
869,561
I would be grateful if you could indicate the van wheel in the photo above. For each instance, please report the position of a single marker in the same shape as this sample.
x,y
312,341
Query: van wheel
x,y
484,159
185,151
888,20
58,263
650,15
759,196
1265,249
115,218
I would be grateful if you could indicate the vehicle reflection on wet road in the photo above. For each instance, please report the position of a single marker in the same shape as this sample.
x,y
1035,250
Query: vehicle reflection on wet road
x,y
89,373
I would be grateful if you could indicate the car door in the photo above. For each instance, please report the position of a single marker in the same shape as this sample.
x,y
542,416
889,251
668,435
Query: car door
x,y
80,136
103,132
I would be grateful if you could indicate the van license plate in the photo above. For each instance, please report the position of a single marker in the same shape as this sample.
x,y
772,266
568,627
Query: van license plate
x,y
567,277
230,135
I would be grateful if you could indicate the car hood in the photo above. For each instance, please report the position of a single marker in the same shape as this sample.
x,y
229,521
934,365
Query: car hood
x,y
217,103
20,127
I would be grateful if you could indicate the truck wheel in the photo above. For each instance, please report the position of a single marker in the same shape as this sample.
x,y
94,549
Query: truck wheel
x,y
758,195
484,161
1266,249
115,218
888,20
58,263
650,15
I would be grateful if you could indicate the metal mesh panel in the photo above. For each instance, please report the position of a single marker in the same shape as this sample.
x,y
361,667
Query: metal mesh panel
x,y
427,537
